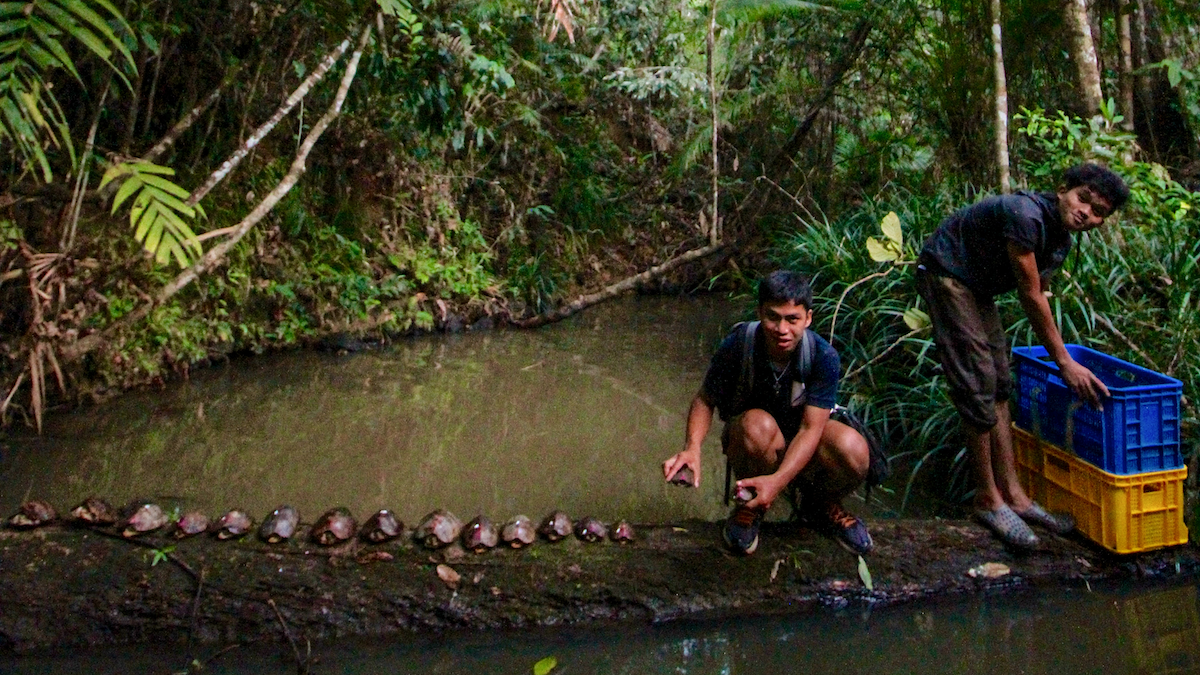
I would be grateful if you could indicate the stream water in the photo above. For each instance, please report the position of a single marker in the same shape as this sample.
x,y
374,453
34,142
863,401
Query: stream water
x,y
576,416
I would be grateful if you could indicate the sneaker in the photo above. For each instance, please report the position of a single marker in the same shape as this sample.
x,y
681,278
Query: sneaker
x,y
844,527
1058,523
1008,527
741,530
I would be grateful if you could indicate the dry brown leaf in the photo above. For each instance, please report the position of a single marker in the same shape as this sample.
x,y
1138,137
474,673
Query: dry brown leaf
x,y
989,570
448,576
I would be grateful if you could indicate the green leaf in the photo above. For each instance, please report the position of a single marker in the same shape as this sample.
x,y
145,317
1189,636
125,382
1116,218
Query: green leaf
x,y
1174,74
880,251
166,186
864,573
891,228
128,188
544,666
390,7
915,319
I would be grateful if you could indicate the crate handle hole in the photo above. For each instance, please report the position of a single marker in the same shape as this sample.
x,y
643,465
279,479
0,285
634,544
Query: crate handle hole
x,y
1058,464
1156,487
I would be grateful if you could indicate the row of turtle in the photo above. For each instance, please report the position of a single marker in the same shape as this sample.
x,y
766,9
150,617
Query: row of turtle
x,y
438,529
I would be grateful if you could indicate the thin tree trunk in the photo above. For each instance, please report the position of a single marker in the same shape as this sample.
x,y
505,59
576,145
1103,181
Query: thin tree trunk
x,y
216,255
1083,53
1001,100
1125,40
301,91
714,234
624,286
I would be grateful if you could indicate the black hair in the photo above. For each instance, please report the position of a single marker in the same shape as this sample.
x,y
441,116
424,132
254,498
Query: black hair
x,y
1100,180
784,286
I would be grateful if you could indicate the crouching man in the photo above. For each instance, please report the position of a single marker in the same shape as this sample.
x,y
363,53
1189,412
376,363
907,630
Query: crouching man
x,y
774,382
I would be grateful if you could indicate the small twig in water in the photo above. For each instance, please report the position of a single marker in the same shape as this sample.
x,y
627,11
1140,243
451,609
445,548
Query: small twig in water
x,y
301,663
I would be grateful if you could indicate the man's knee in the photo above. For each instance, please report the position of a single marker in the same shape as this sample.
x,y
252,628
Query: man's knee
x,y
757,430
849,453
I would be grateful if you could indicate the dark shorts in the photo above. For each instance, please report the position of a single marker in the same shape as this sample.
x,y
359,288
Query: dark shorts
x,y
971,347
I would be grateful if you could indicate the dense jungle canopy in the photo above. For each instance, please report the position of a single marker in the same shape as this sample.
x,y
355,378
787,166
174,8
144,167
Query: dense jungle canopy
x,y
187,180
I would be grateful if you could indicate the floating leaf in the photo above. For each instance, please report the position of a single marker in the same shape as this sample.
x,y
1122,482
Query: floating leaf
x,y
544,666
864,573
891,228
880,251
916,319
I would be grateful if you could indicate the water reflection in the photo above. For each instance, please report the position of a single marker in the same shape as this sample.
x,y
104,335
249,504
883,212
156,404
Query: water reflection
x,y
576,416
1150,631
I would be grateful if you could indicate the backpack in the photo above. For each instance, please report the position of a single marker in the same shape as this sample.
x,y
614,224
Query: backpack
x,y
879,468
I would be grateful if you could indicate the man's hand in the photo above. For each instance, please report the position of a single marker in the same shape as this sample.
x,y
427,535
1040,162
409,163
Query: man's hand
x,y
1084,383
768,488
688,458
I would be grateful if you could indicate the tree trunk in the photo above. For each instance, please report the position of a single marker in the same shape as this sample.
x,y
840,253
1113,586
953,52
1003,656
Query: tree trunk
x,y
1001,100
1125,41
1083,53
714,234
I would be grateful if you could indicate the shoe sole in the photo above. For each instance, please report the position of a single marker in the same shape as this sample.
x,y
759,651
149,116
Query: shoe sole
x,y
747,551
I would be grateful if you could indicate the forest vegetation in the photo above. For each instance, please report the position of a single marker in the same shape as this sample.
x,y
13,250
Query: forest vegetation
x,y
183,181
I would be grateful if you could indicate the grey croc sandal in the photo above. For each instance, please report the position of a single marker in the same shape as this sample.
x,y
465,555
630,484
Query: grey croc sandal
x,y
1058,523
1008,527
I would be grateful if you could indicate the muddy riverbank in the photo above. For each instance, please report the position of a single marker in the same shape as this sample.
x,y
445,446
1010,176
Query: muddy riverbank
x,y
63,587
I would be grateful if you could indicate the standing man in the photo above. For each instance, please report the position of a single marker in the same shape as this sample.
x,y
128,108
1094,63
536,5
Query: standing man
x,y
999,244
775,382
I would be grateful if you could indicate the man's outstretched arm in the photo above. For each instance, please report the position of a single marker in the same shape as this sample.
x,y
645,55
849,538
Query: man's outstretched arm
x,y
1033,300
699,421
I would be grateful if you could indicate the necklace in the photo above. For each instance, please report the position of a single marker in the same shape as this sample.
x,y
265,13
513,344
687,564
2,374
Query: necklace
x,y
778,374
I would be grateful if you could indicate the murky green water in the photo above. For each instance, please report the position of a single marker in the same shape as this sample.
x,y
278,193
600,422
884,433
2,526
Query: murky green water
x,y
576,416
1152,631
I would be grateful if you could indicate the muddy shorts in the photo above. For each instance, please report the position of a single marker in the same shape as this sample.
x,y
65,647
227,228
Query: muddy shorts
x,y
970,344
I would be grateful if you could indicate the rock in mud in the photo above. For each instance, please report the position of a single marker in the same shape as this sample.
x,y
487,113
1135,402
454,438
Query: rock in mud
x,y
381,527
34,513
556,526
334,527
279,525
439,528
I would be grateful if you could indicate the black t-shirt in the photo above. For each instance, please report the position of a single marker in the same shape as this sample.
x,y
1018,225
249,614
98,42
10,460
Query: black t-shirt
x,y
971,244
783,397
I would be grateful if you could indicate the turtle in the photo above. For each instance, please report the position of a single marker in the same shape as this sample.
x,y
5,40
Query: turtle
x,y
480,534
685,477
279,525
191,523
439,528
622,532
234,524
142,517
555,526
334,526
590,530
744,494
381,527
518,532
94,511
34,513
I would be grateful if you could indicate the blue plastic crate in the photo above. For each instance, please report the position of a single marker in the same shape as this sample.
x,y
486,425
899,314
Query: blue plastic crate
x,y
1138,429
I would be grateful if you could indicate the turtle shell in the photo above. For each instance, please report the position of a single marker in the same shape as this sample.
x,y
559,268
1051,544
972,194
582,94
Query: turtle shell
x,y
685,477
279,525
518,532
190,524
334,526
33,513
94,511
590,530
622,532
555,526
142,517
480,534
236,523
381,527
439,528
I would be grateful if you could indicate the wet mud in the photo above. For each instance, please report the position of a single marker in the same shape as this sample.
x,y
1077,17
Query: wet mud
x,y
63,586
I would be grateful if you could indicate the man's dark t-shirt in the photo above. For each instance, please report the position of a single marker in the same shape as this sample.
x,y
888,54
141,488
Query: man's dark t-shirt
x,y
777,393
971,244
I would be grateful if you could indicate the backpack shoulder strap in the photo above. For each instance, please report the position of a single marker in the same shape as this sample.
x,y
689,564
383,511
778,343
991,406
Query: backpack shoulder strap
x,y
746,375
807,349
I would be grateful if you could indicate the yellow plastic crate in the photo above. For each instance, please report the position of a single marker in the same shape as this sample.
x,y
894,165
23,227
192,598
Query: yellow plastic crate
x,y
1124,514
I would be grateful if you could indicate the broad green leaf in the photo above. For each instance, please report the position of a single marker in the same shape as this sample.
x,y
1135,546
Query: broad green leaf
x,y
879,251
864,573
151,167
166,186
390,7
891,228
31,109
544,666
84,12
916,319
12,26
46,33
1173,73
128,188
